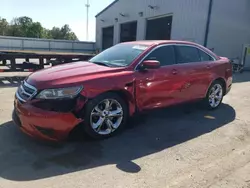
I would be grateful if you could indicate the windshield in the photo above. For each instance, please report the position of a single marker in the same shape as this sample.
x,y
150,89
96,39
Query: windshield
x,y
120,55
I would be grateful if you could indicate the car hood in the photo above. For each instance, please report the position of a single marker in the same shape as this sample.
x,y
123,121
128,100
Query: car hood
x,y
69,74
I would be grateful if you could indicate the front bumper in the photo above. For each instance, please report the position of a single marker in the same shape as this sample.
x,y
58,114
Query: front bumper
x,y
41,124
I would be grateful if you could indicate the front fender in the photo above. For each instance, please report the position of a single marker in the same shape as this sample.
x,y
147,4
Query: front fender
x,y
123,85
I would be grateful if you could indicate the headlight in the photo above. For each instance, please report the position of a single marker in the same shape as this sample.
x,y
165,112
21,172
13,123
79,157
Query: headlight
x,y
60,93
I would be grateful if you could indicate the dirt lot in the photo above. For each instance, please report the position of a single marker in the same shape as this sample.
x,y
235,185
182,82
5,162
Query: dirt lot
x,y
174,147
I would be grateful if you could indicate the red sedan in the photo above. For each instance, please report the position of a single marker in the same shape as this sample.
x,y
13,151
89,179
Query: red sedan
x,y
104,92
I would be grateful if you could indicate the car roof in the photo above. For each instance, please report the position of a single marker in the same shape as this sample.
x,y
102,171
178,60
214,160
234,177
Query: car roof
x,y
158,42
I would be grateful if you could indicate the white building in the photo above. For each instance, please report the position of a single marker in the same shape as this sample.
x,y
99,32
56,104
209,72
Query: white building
x,y
223,25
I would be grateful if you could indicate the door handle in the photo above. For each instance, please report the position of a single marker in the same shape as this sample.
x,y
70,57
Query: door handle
x,y
174,71
208,66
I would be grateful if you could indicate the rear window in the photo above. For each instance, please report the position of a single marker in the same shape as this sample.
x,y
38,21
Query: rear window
x,y
204,56
187,54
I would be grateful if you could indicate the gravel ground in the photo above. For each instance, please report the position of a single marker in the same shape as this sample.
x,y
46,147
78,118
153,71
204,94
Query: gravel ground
x,y
174,147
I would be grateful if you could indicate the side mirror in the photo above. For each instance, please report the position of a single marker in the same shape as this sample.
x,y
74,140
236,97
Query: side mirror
x,y
150,64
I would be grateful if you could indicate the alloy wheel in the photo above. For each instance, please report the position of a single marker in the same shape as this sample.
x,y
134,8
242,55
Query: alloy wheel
x,y
106,116
215,95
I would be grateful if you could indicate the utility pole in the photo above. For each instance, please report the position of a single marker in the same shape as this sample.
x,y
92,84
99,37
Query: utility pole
x,y
87,21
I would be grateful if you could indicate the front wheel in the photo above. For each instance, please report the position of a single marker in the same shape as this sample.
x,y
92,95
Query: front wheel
x,y
214,96
105,116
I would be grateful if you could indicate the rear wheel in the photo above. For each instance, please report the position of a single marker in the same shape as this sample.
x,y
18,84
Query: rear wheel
x,y
105,116
214,96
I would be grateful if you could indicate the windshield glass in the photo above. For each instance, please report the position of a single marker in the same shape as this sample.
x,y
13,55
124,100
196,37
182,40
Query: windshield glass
x,y
120,55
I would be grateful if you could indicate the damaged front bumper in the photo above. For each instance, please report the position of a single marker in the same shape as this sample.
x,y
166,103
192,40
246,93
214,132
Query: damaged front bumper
x,y
48,120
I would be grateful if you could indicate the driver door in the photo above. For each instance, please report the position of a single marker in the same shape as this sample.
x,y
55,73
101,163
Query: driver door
x,y
158,87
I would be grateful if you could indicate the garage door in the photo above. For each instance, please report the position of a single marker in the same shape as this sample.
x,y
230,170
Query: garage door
x,y
159,28
128,32
107,37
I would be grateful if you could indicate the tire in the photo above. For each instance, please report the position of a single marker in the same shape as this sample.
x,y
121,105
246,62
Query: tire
x,y
90,121
208,101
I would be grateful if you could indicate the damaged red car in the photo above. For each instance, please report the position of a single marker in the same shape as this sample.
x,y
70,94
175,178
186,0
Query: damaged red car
x,y
102,93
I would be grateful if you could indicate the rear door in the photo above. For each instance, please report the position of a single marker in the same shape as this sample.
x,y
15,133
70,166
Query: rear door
x,y
195,68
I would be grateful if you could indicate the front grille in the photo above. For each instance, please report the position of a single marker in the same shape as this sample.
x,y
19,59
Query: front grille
x,y
25,92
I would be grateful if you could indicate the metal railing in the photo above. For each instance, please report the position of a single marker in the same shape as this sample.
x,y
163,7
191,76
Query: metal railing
x,y
35,44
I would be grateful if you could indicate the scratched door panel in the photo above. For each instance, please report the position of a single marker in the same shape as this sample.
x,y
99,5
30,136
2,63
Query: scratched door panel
x,y
158,88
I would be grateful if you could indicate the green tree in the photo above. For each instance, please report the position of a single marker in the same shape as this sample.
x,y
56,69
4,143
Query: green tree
x,y
46,34
55,32
35,30
63,33
65,30
71,36
3,26
25,27
14,28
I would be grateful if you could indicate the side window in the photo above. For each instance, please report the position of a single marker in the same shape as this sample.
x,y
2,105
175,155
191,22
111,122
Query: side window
x,y
165,55
204,56
187,54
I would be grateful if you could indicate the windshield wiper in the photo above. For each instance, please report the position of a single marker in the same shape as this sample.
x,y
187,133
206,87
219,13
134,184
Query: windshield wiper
x,y
101,63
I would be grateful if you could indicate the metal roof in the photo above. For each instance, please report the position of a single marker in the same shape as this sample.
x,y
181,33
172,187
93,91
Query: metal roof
x,y
107,8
